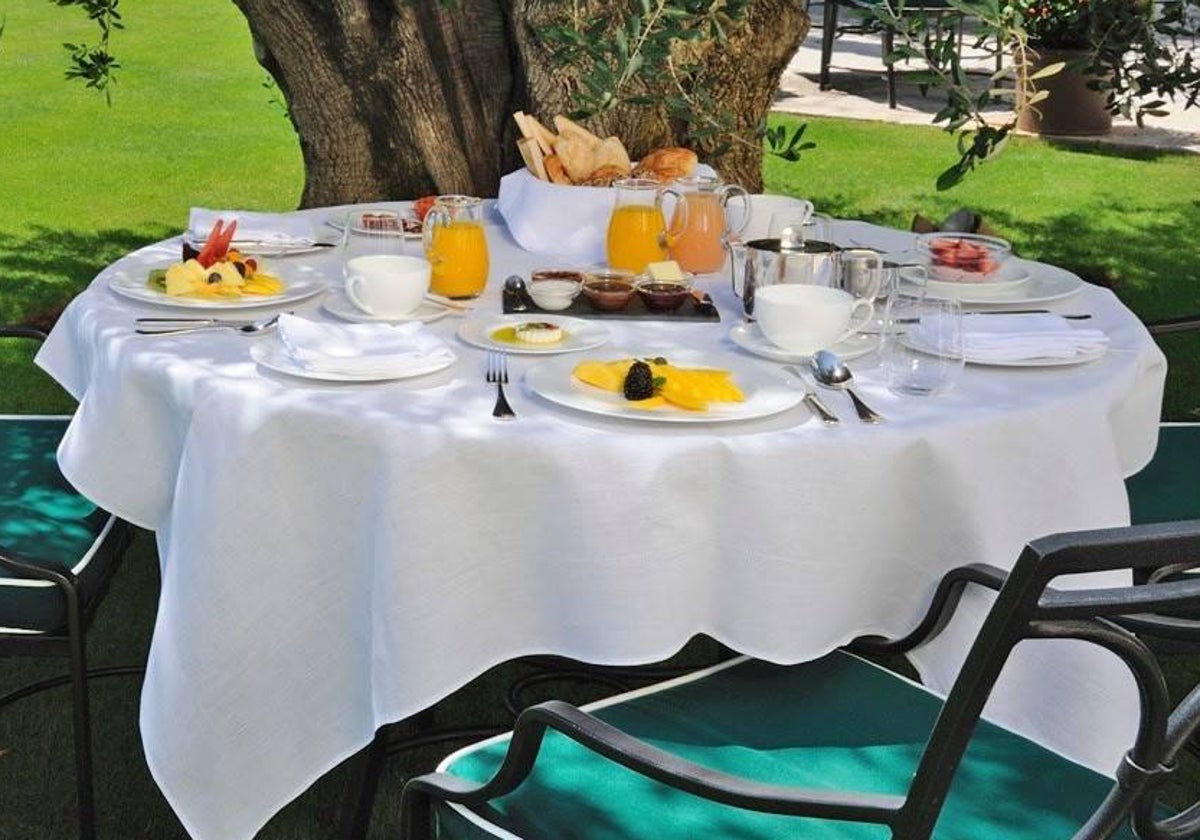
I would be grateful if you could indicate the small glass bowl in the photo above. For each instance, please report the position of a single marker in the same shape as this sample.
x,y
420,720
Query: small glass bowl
x,y
554,289
609,289
963,257
663,295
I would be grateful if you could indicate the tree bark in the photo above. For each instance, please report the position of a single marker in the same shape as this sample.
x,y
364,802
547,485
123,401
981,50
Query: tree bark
x,y
395,99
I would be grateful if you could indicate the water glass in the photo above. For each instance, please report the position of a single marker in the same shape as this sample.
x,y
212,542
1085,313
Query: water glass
x,y
800,225
922,352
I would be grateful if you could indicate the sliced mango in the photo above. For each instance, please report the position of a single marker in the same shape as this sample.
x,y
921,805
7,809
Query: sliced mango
x,y
691,389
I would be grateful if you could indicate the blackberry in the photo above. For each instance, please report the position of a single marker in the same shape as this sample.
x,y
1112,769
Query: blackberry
x,y
639,382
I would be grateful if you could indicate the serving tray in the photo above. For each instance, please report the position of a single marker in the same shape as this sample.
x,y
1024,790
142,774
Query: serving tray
x,y
635,310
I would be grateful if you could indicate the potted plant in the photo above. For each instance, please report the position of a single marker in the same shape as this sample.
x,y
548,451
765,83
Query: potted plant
x,y
1074,64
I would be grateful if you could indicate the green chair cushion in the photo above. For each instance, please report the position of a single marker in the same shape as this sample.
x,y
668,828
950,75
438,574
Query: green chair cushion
x,y
43,521
1168,489
836,723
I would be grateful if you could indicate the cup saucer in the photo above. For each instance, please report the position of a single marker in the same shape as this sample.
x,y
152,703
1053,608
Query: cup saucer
x,y
750,338
338,305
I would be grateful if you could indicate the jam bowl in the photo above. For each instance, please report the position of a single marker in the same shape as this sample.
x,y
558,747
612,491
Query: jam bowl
x,y
609,289
663,295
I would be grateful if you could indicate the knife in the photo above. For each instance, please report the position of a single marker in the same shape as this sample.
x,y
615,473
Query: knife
x,y
812,400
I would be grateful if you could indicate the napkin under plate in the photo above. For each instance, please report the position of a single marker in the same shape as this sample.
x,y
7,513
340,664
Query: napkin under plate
x,y
362,349
275,229
1003,338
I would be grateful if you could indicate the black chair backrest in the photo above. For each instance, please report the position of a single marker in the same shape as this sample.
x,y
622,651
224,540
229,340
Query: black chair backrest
x,y
1028,607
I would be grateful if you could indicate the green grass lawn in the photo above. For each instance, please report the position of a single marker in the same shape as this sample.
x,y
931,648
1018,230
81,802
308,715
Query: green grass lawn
x,y
192,124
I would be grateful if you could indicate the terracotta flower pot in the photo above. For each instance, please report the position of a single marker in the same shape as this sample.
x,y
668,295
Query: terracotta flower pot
x,y
1072,108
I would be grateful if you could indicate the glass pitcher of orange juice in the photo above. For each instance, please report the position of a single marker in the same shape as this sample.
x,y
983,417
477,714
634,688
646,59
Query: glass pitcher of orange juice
x,y
456,246
700,246
637,231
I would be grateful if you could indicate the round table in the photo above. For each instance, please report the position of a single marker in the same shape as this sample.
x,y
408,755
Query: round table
x,y
336,556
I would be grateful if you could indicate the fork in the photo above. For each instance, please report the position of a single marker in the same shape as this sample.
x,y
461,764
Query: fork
x,y
497,371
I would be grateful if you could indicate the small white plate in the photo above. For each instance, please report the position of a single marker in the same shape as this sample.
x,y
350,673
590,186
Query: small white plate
x,y
1044,284
132,284
767,391
580,334
750,338
339,305
404,216
271,354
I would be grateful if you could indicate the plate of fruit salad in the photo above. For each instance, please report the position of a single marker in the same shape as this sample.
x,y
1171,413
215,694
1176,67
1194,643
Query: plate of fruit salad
x,y
216,276
685,388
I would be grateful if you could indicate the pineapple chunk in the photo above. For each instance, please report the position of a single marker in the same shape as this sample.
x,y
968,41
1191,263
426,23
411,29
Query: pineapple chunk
x,y
692,389
185,278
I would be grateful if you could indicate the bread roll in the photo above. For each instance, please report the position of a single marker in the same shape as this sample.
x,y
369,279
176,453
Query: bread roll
x,y
554,170
605,175
665,165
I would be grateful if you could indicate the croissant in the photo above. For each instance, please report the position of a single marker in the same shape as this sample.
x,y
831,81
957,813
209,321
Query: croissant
x,y
665,165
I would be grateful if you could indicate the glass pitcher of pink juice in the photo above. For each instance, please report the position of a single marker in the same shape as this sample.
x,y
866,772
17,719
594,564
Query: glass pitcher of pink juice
x,y
705,230
456,246
637,230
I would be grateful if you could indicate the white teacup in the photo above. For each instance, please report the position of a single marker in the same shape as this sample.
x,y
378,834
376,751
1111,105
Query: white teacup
x,y
387,285
802,318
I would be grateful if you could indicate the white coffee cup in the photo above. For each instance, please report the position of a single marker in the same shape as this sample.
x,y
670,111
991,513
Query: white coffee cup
x,y
803,318
387,285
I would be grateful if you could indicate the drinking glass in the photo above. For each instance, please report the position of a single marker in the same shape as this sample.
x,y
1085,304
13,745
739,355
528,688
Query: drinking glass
x,y
922,352
375,263
637,231
799,226
456,246
704,234
867,276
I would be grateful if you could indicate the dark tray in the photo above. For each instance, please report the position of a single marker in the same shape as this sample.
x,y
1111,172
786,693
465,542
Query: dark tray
x,y
581,307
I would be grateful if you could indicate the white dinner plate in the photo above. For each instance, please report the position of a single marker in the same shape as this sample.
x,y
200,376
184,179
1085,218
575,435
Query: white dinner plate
x,y
1081,358
750,338
271,354
768,391
1045,283
299,285
580,334
338,305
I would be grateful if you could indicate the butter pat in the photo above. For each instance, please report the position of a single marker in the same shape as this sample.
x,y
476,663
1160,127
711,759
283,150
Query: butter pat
x,y
666,270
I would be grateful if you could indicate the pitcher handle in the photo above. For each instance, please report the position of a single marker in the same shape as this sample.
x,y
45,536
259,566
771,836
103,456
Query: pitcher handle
x,y
680,214
732,191
737,252
434,217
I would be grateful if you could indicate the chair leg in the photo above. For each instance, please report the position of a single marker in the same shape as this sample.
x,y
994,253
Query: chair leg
x,y
828,32
86,803
356,814
889,44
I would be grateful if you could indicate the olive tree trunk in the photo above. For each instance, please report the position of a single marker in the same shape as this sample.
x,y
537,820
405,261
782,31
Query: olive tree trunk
x,y
394,99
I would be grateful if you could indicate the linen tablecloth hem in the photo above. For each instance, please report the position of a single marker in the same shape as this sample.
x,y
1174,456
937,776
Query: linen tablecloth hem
x,y
237,833
117,509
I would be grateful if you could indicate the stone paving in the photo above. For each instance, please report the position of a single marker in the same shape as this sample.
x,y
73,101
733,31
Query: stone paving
x,y
859,91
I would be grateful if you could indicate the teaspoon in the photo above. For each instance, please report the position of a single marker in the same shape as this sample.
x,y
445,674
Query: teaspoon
x,y
832,372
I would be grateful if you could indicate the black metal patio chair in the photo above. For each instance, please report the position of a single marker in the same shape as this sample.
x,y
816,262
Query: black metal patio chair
x,y
843,748
58,552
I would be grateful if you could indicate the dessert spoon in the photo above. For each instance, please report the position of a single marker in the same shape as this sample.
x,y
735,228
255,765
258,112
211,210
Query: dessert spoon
x,y
832,372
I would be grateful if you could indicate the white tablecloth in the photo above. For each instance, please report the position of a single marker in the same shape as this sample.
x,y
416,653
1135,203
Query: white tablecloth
x,y
338,556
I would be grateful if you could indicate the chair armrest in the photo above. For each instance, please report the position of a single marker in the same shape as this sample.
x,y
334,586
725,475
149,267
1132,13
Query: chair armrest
x,y
641,757
941,609
19,331
1183,323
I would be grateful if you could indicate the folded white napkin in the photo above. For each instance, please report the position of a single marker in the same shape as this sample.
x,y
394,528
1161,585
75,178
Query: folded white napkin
x,y
1013,338
559,219
282,230
363,349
